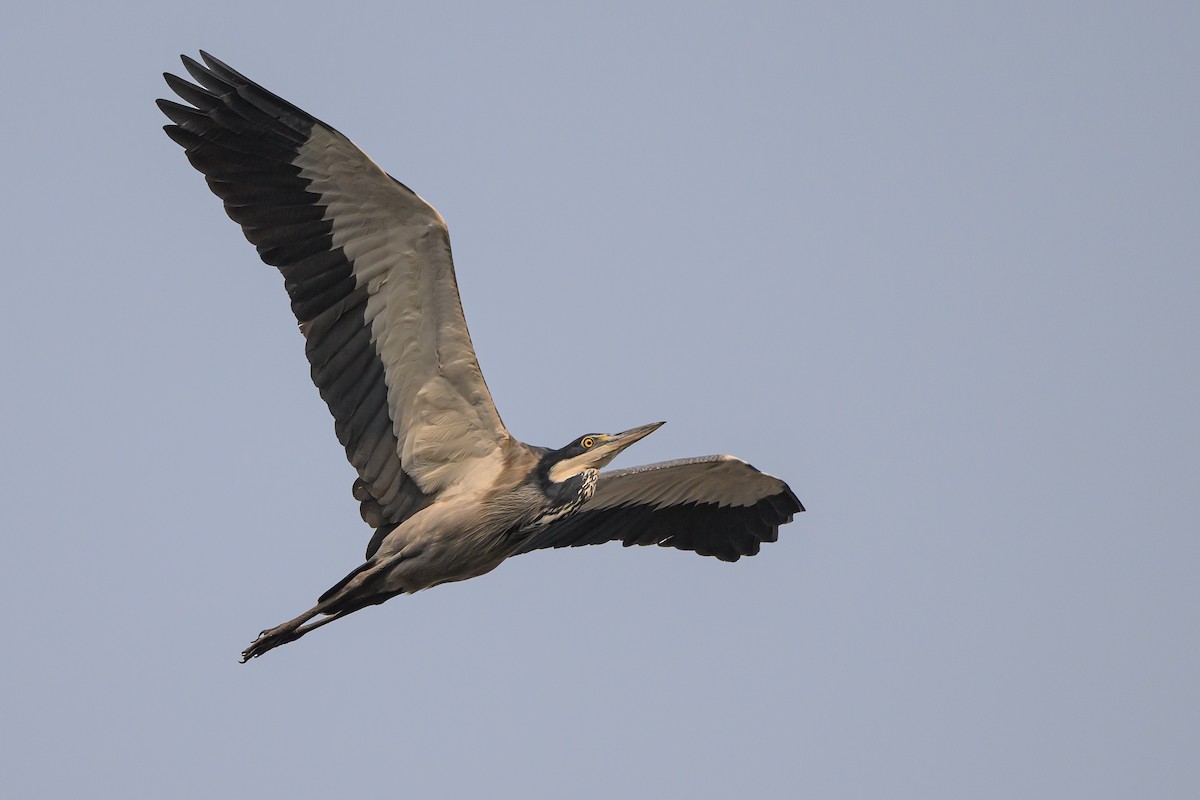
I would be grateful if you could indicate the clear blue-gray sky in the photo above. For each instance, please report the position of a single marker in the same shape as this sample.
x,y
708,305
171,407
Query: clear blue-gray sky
x,y
937,265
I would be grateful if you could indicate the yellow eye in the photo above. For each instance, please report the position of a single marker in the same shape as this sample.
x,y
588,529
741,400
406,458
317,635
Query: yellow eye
x,y
588,441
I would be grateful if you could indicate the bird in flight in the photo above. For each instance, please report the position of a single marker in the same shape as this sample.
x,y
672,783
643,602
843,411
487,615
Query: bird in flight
x,y
449,492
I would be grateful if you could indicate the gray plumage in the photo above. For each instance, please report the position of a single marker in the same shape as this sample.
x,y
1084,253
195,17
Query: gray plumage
x,y
449,492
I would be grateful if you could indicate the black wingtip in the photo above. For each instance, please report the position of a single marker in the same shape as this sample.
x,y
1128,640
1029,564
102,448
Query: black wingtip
x,y
217,65
792,496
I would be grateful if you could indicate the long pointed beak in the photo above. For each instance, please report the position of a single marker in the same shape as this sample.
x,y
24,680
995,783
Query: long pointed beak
x,y
626,438
617,442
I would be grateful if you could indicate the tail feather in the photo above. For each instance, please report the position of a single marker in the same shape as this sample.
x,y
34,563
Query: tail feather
x,y
337,587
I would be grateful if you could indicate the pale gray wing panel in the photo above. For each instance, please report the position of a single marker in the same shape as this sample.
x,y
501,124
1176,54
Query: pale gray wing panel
x,y
443,415
713,505
367,265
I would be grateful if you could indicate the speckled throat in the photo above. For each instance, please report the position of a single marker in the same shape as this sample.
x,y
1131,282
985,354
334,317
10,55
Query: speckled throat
x,y
570,495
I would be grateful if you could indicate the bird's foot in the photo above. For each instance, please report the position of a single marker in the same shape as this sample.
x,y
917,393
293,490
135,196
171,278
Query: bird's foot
x,y
270,639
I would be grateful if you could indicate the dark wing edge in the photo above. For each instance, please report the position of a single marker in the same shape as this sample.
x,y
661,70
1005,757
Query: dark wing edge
x,y
245,140
716,506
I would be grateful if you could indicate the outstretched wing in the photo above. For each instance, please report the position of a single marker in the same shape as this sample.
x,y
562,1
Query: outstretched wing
x,y
713,505
367,265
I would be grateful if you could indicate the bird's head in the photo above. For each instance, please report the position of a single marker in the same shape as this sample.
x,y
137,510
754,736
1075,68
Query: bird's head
x,y
591,451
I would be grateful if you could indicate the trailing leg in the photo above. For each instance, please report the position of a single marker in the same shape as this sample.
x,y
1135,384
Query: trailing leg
x,y
359,589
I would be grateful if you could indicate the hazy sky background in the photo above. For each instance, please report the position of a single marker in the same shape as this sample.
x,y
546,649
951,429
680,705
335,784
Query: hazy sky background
x,y
937,265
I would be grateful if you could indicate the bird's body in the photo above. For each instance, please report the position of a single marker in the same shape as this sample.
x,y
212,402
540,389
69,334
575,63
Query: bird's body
x,y
450,493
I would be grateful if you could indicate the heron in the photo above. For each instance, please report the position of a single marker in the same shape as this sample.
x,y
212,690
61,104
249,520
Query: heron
x,y
449,492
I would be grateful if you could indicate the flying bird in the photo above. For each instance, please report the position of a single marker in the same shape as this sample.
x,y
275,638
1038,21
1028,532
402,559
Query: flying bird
x,y
449,492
